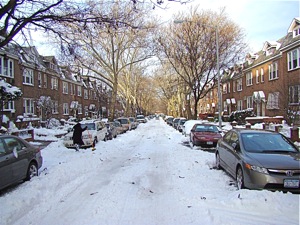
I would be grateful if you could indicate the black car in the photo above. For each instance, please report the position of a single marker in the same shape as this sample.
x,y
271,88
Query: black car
x,y
19,160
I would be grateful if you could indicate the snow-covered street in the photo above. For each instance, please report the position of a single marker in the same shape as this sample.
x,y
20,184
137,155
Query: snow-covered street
x,y
144,177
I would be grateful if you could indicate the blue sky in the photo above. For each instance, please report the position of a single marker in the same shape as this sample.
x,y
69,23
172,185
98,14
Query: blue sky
x,y
262,20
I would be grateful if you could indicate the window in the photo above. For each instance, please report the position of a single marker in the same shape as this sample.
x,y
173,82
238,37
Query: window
x,y
28,105
45,81
262,79
273,99
66,109
233,85
71,89
6,67
294,95
28,76
55,107
239,84
9,106
79,90
86,110
257,77
273,71
250,102
224,88
39,79
54,83
79,109
296,31
239,105
249,79
86,94
294,59
65,87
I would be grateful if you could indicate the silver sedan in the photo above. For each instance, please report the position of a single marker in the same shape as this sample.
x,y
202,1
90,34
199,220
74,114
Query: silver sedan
x,y
260,159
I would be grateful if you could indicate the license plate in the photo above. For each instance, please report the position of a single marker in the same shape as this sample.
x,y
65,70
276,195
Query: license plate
x,y
291,183
209,142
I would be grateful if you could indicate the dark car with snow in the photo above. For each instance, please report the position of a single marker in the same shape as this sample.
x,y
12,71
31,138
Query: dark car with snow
x,y
19,160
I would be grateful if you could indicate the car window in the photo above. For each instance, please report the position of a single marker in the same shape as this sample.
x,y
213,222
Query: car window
x,y
12,143
234,138
266,143
90,126
227,137
2,149
205,128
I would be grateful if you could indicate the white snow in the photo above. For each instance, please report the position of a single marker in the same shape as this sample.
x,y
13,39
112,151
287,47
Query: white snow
x,y
144,177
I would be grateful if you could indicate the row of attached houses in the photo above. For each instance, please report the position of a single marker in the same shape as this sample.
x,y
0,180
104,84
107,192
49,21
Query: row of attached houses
x,y
40,78
267,83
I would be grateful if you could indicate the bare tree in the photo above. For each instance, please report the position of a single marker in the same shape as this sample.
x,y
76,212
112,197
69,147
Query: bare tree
x,y
108,51
16,16
190,47
45,105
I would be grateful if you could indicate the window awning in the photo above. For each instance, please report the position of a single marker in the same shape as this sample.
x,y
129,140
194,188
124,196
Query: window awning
x,y
92,107
259,96
74,104
262,96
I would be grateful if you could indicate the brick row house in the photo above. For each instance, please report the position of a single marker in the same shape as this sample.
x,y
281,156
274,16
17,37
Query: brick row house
x,y
38,77
267,84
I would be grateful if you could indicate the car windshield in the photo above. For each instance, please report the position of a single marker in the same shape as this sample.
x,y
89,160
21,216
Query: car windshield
x,y
182,122
123,121
140,117
266,143
206,128
90,126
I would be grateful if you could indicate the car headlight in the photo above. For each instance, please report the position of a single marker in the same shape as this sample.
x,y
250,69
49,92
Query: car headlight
x,y
257,168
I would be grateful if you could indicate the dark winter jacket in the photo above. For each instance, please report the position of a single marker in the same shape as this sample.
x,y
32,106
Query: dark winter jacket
x,y
77,134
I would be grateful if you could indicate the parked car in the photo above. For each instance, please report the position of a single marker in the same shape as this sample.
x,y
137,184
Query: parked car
x,y
175,121
259,159
111,130
205,135
180,124
125,122
169,120
120,129
96,131
141,119
19,160
134,123
188,125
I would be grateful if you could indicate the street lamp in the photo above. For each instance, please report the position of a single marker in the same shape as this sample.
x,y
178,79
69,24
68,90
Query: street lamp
x,y
218,68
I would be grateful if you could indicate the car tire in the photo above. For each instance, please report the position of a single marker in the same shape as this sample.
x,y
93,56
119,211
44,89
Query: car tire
x,y
240,178
218,161
191,143
32,171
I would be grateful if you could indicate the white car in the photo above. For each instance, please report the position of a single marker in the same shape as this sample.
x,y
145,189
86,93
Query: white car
x,y
96,131
141,119
188,125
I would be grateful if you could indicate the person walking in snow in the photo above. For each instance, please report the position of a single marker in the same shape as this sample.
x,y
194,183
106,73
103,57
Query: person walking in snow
x,y
77,136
